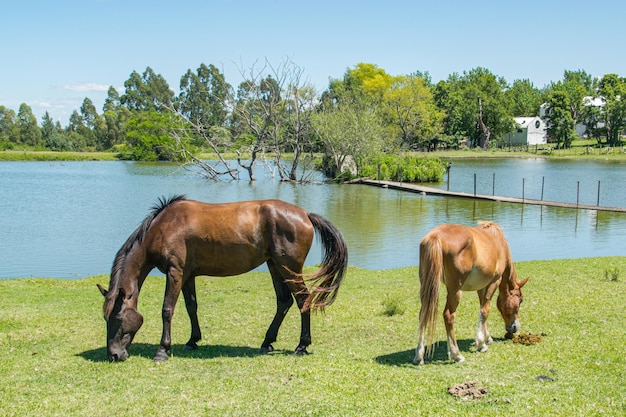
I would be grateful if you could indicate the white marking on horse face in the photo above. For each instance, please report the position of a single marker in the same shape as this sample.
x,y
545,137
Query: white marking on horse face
x,y
475,281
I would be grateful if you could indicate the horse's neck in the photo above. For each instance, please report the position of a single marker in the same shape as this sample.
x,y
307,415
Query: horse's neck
x,y
509,278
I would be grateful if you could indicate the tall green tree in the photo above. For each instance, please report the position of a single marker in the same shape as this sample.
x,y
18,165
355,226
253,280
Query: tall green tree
x,y
147,92
116,117
9,132
462,97
559,118
612,89
203,96
30,134
53,136
410,108
525,99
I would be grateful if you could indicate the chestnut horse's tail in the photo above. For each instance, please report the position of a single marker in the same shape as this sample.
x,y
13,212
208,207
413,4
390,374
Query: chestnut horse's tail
x,y
431,274
333,267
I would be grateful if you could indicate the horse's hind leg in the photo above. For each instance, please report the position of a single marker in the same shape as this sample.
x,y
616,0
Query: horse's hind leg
x,y
449,314
189,292
284,301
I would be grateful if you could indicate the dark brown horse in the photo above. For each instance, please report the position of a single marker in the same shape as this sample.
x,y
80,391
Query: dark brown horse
x,y
466,259
185,238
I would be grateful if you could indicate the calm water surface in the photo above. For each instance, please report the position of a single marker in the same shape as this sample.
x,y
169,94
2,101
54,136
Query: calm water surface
x,y
67,220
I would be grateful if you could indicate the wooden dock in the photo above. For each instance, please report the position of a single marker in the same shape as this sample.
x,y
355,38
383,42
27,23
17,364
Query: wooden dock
x,y
420,189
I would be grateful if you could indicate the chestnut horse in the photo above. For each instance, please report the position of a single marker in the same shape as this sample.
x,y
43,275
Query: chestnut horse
x,y
185,238
466,259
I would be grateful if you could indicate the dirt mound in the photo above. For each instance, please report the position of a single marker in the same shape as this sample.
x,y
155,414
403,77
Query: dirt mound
x,y
468,391
528,338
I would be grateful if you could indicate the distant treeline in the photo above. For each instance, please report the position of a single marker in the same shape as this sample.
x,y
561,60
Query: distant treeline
x,y
354,120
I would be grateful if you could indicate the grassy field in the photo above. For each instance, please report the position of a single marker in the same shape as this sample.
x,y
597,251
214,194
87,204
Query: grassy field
x,y
53,363
25,155
581,149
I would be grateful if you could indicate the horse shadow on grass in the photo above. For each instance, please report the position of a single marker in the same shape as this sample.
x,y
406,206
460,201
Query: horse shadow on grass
x,y
440,354
146,350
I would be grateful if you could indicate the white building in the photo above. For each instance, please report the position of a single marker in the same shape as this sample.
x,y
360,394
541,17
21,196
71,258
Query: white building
x,y
528,131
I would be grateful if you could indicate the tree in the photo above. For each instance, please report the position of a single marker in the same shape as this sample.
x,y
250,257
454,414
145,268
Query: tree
x,y
30,134
271,113
147,92
116,117
204,96
411,110
148,137
458,97
9,132
559,118
613,90
351,131
53,135
525,98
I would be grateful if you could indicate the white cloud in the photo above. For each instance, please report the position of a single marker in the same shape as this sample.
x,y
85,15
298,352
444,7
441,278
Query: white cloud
x,y
86,87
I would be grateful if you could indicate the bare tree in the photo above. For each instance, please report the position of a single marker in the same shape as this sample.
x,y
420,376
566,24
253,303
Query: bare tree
x,y
215,137
274,105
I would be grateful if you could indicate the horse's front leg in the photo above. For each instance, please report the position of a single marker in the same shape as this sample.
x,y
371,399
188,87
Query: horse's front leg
x,y
172,291
449,314
483,338
191,302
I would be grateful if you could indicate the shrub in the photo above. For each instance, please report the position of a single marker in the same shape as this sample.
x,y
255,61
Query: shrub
x,y
407,168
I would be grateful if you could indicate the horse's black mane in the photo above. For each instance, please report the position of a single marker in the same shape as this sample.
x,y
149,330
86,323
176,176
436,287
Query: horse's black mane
x,y
137,237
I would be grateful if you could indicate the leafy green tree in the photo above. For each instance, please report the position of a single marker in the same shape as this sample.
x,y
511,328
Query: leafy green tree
x,y
463,96
203,96
148,137
30,134
559,118
147,92
116,117
612,89
9,132
525,98
351,131
577,85
411,111
53,136
91,123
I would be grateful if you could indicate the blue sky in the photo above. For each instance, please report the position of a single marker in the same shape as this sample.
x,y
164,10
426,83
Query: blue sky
x,y
56,53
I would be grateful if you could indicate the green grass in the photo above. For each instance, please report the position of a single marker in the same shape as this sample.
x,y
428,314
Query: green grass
x,y
53,363
28,155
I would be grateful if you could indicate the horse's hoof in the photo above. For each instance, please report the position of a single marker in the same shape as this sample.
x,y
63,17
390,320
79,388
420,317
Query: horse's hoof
x,y
161,356
301,350
191,346
418,361
266,349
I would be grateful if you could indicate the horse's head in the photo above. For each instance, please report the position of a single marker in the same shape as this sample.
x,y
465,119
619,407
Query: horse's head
x,y
123,321
509,300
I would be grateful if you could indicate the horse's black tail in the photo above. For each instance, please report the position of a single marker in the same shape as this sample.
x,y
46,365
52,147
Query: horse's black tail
x,y
333,266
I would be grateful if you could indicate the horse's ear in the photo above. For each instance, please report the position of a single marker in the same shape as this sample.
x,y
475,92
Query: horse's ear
x,y
523,282
102,290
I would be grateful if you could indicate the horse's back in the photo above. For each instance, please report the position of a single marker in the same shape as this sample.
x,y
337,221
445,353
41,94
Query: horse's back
x,y
226,238
479,251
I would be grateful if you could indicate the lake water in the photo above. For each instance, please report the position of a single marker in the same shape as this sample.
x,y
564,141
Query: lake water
x,y
67,220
